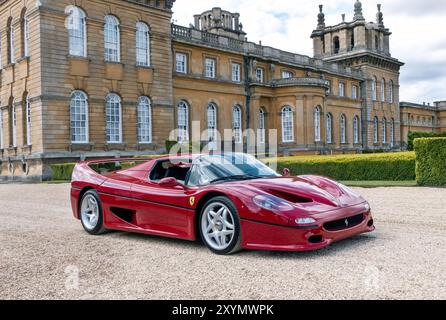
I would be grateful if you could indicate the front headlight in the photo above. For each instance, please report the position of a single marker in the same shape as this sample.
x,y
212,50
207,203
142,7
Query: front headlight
x,y
367,207
305,221
272,203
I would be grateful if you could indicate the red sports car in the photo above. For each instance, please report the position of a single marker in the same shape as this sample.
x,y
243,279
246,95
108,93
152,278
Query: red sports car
x,y
231,201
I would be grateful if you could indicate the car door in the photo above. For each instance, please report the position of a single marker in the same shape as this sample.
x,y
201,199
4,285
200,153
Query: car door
x,y
167,211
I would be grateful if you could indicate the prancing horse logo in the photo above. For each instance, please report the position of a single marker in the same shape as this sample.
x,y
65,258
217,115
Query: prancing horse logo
x,y
346,222
192,201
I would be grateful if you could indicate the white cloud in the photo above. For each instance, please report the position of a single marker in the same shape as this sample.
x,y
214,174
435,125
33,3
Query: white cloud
x,y
287,25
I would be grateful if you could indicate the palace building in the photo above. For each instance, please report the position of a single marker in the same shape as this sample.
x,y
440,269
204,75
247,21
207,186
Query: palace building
x,y
114,78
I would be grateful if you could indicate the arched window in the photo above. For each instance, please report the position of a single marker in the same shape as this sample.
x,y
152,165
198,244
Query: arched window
x,y
287,124
212,122
384,130
114,118
343,129
27,115
2,142
11,47
375,131
391,98
376,43
356,132
336,45
142,44
262,126
383,90
1,52
317,124
77,31
329,128
392,132
112,39
237,124
25,34
374,91
144,120
79,117
13,125
183,121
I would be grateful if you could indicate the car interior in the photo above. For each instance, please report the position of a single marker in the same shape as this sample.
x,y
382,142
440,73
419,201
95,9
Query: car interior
x,y
167,169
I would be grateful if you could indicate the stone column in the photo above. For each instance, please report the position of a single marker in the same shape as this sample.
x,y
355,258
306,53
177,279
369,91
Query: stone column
x,y
300,120
197,21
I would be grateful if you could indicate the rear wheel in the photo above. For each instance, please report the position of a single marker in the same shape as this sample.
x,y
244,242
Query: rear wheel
x,y
220,226
91,213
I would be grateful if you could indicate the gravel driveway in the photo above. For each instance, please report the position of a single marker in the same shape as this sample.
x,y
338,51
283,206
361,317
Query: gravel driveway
x,y
45,254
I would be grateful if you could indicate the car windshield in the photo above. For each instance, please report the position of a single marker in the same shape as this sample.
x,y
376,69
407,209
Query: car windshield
x,y
209,169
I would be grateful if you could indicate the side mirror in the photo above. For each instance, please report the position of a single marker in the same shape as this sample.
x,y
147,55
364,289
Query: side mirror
x,y
286,172
169,183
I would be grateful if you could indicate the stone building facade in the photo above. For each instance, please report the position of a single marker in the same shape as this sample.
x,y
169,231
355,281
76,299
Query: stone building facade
x,y
424,117
89,79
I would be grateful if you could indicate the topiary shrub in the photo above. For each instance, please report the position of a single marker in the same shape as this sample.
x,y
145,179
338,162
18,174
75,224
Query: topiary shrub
x,y
430,161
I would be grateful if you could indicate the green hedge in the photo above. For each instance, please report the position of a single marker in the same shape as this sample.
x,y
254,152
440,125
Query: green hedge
x,y
192,146
62,172
418,135
431,161
362,167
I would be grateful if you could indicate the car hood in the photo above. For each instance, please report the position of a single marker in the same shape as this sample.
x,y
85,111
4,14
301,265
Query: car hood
x,y
313,193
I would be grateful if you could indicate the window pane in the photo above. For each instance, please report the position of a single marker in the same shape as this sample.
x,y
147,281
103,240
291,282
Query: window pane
x,y
287,125
183,122
77,32
144,120
112,39
79,117
142,44
113,118
181,63
237,124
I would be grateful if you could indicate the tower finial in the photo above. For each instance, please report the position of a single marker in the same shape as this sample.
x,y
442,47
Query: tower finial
x,y
358,11
321,18
380,17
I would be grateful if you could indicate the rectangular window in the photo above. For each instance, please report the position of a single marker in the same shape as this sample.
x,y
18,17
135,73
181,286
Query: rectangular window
x,y
209,68
341,89
354,92
181,63
329,87
287,75
259,75
236,72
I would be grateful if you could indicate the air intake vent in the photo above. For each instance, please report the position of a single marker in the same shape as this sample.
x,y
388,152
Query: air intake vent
x,y
345,223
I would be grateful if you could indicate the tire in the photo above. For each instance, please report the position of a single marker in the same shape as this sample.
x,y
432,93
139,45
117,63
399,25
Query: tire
x,y
219,226
91,214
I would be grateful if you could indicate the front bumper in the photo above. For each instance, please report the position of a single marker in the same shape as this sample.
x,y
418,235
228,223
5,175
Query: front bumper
x,y
261,236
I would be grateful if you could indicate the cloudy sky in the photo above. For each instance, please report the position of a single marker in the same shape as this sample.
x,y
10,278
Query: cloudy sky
x,y
418,36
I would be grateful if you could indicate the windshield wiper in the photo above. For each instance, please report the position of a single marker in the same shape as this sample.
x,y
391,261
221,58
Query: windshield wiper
x,y
236,177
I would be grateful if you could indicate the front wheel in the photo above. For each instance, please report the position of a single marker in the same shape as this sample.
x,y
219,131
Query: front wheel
x,y
91,213
220,226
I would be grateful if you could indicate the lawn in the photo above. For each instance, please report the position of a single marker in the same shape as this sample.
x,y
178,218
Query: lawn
x,y
378,184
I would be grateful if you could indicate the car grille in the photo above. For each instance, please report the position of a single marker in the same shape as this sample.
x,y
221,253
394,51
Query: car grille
x,y
345,223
